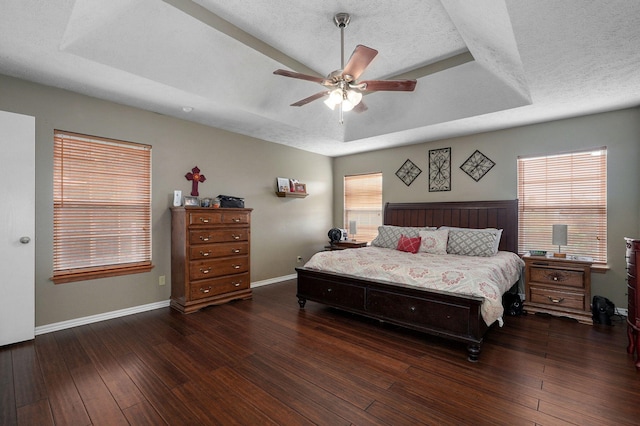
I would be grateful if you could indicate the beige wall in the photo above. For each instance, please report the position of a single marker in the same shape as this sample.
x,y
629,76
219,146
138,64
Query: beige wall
x,y
233,164
619,131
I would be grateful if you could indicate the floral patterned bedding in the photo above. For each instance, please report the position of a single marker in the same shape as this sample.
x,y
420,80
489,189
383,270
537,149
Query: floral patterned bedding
x,y
487,277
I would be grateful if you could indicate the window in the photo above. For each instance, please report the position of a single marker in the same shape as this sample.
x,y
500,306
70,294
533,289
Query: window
x,y
101,207
566,189
363,204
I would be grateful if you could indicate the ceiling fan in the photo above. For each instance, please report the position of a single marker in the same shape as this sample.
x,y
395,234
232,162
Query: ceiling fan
x,y
342,86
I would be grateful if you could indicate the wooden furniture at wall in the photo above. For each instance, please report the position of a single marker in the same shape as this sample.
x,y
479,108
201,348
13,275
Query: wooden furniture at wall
x,y
633,316
342,245
210,251
452,316
559,287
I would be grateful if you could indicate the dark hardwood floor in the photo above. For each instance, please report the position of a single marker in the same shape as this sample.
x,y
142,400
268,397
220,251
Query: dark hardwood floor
x,y
265,361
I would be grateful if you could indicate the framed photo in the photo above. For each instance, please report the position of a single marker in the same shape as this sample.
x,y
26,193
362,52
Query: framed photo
x,y
191,201
205,202
300,187
440,169
282,184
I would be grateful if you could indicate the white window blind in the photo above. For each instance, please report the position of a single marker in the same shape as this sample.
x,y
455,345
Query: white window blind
x,y
363,204
566,189
102,207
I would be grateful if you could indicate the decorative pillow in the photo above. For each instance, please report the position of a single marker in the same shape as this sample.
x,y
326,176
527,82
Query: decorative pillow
x,y
472,243
434,242
497,232
410,245
388,236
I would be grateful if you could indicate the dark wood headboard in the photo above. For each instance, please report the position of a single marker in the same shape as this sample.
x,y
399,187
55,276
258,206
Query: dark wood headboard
x,y
464,214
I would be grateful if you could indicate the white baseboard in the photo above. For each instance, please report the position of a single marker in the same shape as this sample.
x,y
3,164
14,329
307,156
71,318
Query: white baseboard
x,y
63,325
622,311
100,317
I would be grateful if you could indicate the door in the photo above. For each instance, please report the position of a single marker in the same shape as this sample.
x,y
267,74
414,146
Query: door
x,y
17,228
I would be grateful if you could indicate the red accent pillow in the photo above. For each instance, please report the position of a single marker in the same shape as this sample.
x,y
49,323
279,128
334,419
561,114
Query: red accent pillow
x,y
410,245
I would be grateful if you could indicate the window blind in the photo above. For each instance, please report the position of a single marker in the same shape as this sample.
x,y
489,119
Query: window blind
x,y
363,204
102,207
569,189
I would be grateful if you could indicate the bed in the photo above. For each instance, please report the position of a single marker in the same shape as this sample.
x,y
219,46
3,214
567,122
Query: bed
x,y
433,311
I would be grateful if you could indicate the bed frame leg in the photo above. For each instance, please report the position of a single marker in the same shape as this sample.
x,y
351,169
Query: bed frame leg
x,y
302,302
474,352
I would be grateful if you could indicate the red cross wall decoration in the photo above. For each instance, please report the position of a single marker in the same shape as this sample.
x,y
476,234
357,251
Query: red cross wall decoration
x,y
194,176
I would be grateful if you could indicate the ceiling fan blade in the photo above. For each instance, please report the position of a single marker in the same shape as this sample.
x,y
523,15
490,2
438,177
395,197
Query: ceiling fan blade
x,y
390,85
300,76
311,98
359,60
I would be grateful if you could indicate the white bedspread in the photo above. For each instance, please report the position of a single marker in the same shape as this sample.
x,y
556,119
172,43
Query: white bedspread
x,y
486,277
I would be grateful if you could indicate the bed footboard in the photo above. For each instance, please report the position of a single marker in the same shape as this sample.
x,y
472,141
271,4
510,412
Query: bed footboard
x,y
436,313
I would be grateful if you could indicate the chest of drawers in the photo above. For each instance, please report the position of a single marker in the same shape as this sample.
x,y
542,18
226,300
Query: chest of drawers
x,y
632,257
558,286
210,256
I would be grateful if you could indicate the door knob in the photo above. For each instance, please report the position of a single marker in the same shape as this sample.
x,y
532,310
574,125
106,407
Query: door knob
x,y
25,240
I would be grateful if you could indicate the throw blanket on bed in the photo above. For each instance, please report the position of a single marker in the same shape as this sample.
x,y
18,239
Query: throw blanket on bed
x,y
486,277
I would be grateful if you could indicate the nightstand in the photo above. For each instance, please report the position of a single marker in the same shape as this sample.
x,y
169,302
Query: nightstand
x,y
559,287
341,245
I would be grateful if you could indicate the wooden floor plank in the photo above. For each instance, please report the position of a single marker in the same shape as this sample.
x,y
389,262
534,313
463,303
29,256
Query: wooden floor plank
x,y
266,361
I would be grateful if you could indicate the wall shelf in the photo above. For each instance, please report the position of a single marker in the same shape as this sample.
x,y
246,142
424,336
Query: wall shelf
x,y
291,194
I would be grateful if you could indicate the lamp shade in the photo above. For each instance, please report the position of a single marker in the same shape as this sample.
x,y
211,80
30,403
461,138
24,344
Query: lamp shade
x,y
352,227
559,235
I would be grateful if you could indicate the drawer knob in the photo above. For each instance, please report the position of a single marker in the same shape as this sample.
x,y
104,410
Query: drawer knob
x,y
556,300
412,309
204,220
235,250
235,219
205,290
329,290
205,254
205,238
205,271
236,266
235,237
236,284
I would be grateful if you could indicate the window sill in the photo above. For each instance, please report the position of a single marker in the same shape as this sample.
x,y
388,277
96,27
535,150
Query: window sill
x,y
99,273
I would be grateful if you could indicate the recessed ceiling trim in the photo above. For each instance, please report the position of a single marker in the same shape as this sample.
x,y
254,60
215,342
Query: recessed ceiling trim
x,y
214,21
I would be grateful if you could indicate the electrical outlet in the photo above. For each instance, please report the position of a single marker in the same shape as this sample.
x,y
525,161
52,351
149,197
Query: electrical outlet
x,y
161,280
299,259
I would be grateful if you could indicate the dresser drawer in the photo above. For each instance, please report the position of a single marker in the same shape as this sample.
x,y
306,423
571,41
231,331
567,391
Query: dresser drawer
x,y
205,217
213,287
206,251
557,277
561,299
205,236
231,217
201,269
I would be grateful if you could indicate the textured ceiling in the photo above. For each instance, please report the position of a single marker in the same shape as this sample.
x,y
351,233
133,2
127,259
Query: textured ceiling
x,y
481,65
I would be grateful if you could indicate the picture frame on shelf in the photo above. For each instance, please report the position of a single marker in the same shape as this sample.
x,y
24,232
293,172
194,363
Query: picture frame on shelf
x,y
190,201
282,184
300,188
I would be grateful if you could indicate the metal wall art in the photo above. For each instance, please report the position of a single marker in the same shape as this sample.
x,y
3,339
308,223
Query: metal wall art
x,y
408,172
477,165
440,169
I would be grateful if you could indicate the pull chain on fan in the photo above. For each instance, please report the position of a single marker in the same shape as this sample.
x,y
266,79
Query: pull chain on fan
x,y
344,90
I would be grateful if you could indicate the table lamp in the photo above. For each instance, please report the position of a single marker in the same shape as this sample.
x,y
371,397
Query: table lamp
x,y
352,229
559,238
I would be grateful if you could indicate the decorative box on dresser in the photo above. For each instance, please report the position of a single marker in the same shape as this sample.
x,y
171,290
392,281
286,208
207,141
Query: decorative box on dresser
x,y
633,316
558,286
210,251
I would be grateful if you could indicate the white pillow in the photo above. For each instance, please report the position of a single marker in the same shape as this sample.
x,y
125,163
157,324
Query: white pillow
x,y
434,242
496,232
